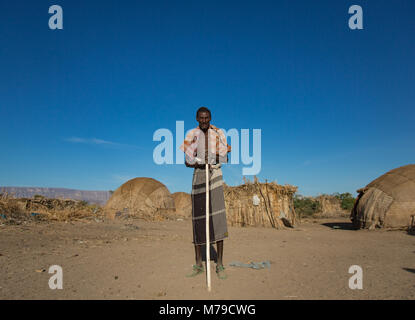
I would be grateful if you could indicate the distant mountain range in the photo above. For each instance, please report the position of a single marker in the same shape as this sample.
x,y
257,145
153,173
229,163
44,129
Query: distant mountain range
x,y
96,197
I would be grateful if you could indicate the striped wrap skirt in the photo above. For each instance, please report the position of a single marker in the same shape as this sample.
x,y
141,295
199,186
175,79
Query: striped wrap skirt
x,y
217,212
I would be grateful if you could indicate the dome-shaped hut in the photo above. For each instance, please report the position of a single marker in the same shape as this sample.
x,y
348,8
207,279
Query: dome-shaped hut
x,y
145,198
183,204
388,201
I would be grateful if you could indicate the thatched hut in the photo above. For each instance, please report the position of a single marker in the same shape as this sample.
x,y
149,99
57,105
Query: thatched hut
x,y
388,201
183,204
260,204
145,198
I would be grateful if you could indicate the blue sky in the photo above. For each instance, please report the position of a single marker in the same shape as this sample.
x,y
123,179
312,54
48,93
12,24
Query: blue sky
x,y
79,106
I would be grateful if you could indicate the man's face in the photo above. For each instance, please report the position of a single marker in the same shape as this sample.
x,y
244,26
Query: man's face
x,y
204,120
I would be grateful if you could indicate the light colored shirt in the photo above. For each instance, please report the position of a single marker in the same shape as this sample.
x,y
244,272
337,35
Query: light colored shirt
x,y
194,145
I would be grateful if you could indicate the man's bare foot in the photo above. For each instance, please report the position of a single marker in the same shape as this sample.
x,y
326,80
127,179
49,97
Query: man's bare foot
x,y
196,271
220,271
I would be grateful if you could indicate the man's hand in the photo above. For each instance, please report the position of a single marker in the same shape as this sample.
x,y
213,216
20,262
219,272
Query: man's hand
x,y
196,165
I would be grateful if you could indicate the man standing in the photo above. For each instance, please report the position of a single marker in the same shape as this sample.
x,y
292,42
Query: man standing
x,y
207,144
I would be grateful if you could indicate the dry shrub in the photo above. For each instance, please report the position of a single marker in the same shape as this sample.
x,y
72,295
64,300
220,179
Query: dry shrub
x,y
39,208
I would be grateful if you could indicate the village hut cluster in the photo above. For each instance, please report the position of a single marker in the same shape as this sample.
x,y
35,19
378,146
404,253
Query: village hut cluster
x,y
387,202
250,204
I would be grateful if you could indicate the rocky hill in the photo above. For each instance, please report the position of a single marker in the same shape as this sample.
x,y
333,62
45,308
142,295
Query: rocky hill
x,y
96,197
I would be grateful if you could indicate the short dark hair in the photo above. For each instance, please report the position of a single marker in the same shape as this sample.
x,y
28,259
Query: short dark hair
x,y
203,109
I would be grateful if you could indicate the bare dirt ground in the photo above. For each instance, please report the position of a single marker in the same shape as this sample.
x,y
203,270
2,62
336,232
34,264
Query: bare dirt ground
x,y
142,260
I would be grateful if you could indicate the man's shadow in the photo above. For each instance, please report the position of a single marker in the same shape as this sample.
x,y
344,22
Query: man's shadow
x,y
340,225
213,253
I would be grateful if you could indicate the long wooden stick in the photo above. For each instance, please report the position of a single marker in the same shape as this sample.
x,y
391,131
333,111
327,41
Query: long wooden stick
x,y
207,230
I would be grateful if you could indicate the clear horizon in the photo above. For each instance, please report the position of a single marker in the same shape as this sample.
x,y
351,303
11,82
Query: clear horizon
x,y
79,106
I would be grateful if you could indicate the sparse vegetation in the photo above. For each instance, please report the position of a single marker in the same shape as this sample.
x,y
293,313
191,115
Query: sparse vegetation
x,y
314,206
306,206
347,200
83,203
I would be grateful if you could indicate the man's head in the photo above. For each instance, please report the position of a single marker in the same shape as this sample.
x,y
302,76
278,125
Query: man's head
x,y
203,116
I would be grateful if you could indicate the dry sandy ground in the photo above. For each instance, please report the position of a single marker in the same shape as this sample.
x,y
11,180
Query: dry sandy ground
x,y
141,260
